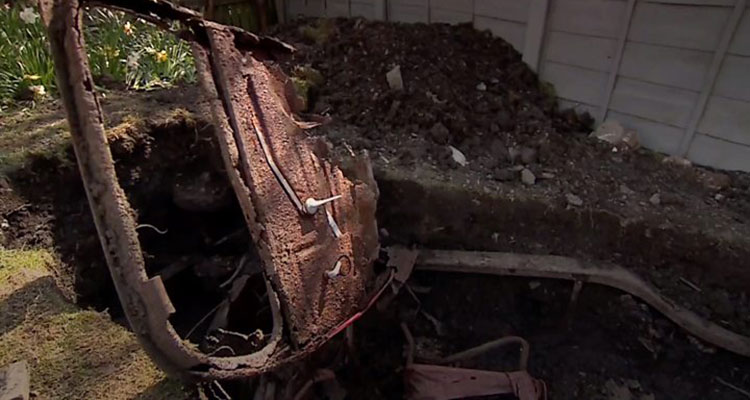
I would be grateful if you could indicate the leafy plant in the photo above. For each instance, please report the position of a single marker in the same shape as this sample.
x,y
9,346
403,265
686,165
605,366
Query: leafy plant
x,y
106,33
24,57
121,49
158,59
136,53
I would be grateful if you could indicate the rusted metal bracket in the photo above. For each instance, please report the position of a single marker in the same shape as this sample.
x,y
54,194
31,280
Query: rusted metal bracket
x,y
278,175
440,382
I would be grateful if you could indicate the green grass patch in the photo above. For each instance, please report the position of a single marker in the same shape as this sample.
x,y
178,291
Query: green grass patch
x,y
72,353
18,266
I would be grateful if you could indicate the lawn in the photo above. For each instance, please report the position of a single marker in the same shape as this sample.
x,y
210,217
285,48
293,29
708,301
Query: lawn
x,y
72,353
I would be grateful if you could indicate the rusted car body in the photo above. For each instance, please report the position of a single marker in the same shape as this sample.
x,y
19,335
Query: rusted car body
x,y
312,225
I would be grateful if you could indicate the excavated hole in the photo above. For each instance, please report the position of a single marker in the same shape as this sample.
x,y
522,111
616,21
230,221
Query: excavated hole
x,y
163,166
205,253
191,230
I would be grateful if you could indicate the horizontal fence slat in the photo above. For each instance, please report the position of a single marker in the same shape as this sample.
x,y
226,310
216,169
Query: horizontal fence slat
x,y
740,44
575,83
726,119
409,12
706,150
728,3
365,9
682,68
337,8
734,78
690,27
580,50
589,17
442,15
464,6
510,10
654,102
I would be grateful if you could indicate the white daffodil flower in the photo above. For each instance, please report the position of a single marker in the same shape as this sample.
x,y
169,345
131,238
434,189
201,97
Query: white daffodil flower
x,y
28,15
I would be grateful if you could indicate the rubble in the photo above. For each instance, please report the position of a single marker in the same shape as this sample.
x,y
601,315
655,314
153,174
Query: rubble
x,y
458,157
613,132
574,200
527,177
395,81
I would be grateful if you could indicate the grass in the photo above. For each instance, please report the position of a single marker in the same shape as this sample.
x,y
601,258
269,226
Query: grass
x,y
72,353
41,132
20,266
34,133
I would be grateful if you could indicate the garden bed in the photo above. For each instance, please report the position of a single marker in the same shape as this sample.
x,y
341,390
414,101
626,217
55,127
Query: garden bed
x,y
697,232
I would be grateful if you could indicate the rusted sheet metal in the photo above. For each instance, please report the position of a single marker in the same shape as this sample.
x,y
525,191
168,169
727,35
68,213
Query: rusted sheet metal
x,y
436,382
317,257
282,169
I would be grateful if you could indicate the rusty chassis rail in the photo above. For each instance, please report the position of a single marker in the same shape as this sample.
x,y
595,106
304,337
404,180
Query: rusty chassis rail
x,y
313,226
582,271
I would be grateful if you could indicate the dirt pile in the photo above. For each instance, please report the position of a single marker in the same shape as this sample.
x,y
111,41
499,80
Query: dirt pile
x,y
466,89
533,180
461,87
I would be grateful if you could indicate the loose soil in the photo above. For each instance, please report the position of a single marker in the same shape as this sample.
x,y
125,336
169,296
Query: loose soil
x,y
609,344
469,90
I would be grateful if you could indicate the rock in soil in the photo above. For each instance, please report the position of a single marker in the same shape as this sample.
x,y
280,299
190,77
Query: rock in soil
x,y
395,81
624,189
714,180
527,177
574,200
679,161
14,381
458,157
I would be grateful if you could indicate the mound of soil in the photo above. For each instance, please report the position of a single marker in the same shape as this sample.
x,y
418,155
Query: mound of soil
x,y
534,180
461,87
